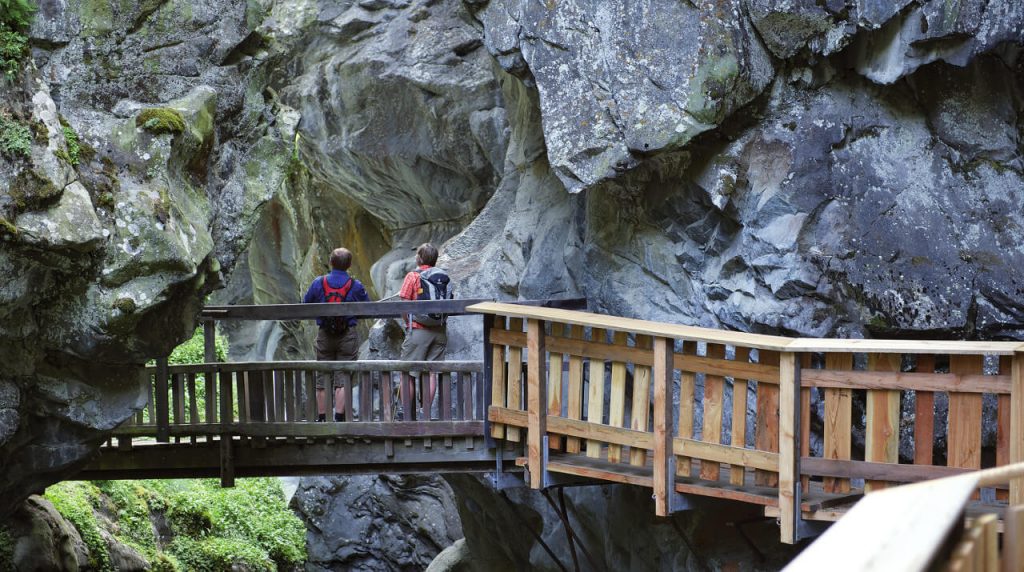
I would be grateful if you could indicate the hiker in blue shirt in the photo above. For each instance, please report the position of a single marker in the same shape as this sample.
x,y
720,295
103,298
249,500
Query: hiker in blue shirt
x,y
337,339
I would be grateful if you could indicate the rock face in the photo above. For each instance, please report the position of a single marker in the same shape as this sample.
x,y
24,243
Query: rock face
x,y
376,522
825,168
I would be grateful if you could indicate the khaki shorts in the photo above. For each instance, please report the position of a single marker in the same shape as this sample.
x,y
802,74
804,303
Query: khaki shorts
x,y
334,347
424,344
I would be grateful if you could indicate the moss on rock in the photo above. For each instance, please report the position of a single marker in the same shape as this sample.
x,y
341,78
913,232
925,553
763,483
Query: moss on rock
x,y
125,305
161,120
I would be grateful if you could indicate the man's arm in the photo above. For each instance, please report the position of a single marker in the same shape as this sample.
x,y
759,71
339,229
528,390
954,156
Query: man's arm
x,y
360,294
410,286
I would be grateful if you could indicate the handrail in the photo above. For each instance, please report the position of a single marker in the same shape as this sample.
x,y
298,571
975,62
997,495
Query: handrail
x,y
365,309
653,357
759,341
339,366
902,528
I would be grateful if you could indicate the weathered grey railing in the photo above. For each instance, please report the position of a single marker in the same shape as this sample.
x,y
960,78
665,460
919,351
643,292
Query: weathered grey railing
x,y
261,403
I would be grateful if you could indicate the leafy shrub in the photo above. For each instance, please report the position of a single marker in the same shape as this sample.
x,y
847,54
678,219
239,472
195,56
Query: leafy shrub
x,y
161,120
13,47
15,138
75,502
220,555
17,14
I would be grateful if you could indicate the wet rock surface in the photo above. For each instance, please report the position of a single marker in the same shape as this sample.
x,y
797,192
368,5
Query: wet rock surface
x,y
384,522
843,168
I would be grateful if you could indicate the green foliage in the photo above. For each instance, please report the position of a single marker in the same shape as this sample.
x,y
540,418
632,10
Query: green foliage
x,y
220,555
13,47
214,529
17,14
161,120
75,502
74,152
193,351
7,228
15,138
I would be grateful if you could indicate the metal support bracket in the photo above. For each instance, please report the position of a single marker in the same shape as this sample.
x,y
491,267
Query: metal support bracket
x,y
544,474
677,502
502,479
810,528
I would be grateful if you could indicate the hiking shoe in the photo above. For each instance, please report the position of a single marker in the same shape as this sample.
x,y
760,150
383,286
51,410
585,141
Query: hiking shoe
x,y
322,418
339,417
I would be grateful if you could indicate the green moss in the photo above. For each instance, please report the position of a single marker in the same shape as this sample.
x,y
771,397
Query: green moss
x,y
161,120
15,138
32,192
106,201
125,305
7,228
878,321
17,14
75,502
162,208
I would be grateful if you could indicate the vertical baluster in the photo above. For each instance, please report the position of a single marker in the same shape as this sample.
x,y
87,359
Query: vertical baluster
x,y
882,428
739,417
178,395
617,398
766,437
365,396
924,415
515,379
536,402
574,401
277,378
595,405
309,383
554,382
387,408
687,394
838,421
193,406
639,415
664,477
714,395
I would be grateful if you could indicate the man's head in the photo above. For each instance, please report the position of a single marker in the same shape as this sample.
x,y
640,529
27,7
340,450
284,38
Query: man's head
x,y
341,259
426,254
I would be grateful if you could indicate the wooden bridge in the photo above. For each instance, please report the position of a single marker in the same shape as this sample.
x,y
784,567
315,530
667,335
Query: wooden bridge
x,y
566,394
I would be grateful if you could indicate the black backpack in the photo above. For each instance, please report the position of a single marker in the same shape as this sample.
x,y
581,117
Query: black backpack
x,y
336,324
433,286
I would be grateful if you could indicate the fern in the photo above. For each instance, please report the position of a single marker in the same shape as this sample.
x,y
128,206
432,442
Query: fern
x,y
17,14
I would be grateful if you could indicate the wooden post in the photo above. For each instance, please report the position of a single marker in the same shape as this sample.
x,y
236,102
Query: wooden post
x,y
1017,425
789,458
664,475
163,412
537,401
555,383
488,376
1013,538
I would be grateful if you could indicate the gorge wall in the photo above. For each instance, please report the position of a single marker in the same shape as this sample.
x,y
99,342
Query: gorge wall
x,y
838,168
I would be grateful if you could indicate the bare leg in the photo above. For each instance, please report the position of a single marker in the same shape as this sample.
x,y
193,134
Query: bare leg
x,y
339,400
431,393
321,405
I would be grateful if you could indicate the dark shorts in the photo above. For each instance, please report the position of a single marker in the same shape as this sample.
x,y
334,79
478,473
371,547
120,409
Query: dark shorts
x,y
335,347
424,344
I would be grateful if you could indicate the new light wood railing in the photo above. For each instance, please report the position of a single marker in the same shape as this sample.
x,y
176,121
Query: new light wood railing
x,y
921,527
599,392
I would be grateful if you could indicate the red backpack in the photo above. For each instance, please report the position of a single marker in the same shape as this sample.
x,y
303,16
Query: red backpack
x,y
336,324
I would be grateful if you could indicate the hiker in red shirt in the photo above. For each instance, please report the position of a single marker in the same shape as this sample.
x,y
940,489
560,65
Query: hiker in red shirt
x,y
337,339
425,338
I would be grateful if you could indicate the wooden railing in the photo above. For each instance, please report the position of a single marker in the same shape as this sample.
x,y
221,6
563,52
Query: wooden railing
x,y
924,526
278,399
627,418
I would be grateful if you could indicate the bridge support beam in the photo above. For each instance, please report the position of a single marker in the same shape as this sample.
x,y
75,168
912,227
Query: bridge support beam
x,y
227,462
1017,425
789,458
